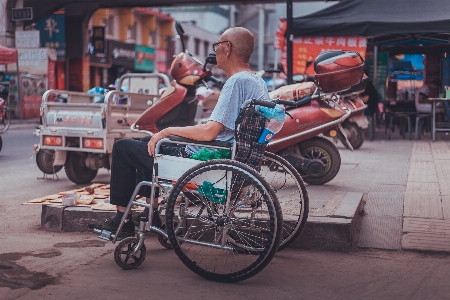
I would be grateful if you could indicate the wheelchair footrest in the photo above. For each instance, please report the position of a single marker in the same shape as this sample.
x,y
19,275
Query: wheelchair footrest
x,y
109,236
106,235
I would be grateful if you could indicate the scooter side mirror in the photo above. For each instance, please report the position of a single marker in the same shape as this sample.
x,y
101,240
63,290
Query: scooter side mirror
x,y
179,28
298,78
210,59
280,68
180,32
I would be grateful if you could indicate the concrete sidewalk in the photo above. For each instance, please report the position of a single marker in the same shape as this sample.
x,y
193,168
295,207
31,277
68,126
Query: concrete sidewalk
x,y
404,185
406,190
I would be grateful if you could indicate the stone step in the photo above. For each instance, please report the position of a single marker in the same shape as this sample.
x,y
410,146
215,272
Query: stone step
x,y
336,232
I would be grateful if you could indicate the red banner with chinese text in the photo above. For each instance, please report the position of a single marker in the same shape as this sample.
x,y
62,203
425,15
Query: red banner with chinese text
x,y
307,48
280,39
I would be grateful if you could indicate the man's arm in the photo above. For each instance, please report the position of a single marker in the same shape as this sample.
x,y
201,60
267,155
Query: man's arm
x,y
203,132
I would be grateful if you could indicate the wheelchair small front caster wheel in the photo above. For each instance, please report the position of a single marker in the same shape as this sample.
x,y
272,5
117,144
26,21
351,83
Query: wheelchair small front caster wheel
x,y
123,254
163,240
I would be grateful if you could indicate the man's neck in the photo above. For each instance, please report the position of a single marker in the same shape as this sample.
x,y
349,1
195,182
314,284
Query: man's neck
x,y
236,68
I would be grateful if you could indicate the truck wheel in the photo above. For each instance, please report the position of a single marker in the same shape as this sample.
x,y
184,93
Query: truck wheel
x,y
355,134
44,161
76,169
323,150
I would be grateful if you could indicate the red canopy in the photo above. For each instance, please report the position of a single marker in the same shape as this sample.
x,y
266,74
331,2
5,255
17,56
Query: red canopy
x,y
8,55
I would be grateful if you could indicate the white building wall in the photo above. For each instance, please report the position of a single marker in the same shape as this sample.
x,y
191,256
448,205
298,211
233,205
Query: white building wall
x,y
209,21
193,32
298,9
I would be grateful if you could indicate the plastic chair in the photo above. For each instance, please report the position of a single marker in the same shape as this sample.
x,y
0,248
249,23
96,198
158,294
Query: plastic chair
x,y
405,117
421,117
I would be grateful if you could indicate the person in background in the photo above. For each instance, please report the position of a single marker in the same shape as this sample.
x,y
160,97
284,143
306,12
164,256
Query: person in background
x,y
370,98
422,94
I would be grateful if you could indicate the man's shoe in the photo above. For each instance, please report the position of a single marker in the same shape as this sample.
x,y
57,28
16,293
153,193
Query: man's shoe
x,y
112,227
156,220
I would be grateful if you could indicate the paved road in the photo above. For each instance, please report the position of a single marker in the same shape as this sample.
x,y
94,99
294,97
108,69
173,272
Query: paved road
x,y
36,264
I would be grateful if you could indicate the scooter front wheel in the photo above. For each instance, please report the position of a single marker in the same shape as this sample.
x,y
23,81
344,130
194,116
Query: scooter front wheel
x,y
325,154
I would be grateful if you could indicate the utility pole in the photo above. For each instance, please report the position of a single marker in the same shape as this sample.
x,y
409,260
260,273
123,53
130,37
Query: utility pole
x,y
289,59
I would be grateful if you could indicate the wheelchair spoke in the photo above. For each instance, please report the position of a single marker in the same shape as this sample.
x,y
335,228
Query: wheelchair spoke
x,y
222,239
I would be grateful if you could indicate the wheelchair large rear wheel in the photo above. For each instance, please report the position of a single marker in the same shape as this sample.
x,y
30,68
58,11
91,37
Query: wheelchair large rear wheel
x,y
228,221
291,194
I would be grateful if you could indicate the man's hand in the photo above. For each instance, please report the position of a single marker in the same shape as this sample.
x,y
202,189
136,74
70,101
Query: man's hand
x,y
155,138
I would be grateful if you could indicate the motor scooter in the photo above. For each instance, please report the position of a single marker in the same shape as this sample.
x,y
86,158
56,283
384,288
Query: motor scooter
x,y
5,119
356,123
316,109
316,158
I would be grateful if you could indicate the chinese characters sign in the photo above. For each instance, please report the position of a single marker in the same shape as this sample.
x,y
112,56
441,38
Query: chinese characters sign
x,y
145,59
52,34
33,61
306,49
22,14
27,39
98,39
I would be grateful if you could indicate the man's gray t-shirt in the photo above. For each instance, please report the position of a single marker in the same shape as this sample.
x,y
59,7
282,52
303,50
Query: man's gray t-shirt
x,y
237,89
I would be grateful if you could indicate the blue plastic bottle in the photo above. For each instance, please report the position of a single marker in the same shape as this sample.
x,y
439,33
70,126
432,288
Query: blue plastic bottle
x,y
276,120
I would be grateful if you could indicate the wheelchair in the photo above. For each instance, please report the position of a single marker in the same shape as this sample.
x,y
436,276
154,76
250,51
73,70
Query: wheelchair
x,y
223,217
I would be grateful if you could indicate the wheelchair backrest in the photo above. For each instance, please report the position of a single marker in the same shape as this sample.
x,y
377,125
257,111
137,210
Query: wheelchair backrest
x,y
249,126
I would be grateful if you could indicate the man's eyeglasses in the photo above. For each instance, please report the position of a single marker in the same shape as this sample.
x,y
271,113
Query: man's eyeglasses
x,y
215,45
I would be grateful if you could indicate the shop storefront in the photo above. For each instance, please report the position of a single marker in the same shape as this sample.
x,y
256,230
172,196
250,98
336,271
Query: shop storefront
x,y
99,65
37,75
407,47
52,35
123,57
161,60
145,59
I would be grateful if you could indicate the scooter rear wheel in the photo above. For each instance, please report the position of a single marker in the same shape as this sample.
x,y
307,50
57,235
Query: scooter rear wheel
x,y
321,149
76,169
355,134
44,161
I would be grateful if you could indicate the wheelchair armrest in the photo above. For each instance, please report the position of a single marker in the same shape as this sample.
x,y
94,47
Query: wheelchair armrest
x,y
222,144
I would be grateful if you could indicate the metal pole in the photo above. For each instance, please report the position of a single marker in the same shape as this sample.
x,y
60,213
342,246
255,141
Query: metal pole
x,y
232,13
261,34
375,65
289,58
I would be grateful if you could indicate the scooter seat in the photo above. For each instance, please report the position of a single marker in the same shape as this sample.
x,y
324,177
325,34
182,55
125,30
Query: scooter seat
x,y
293,92
176,138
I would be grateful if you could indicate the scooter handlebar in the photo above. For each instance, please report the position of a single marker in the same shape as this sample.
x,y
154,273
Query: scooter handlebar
x,y
269,104
214,79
